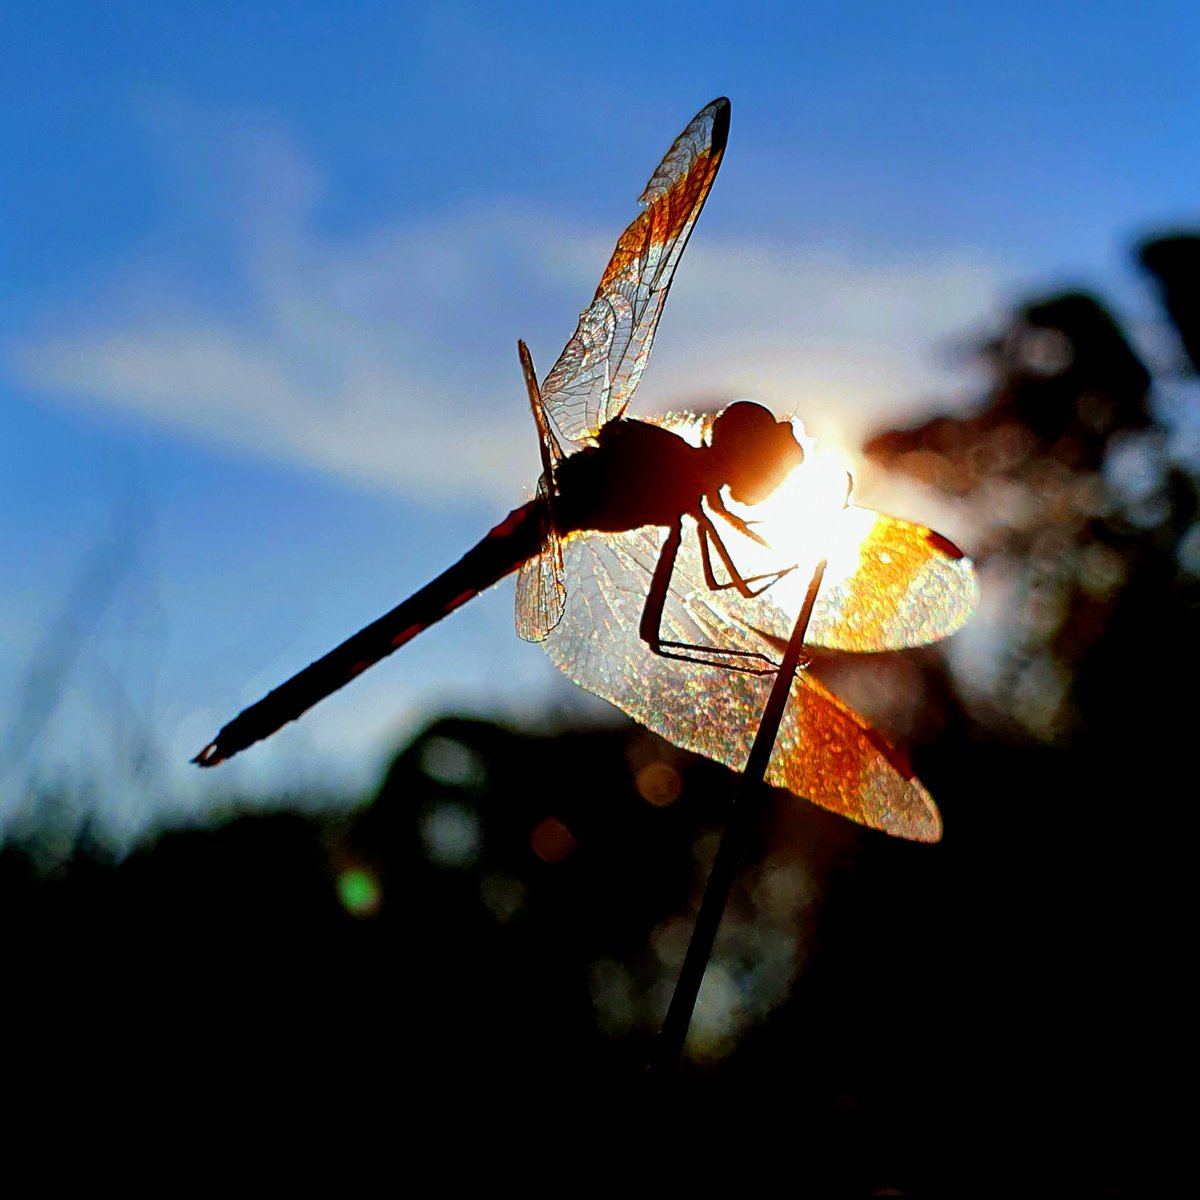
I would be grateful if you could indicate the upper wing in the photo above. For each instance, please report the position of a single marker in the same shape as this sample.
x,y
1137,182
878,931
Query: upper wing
x,y
599,369
890,584
908,586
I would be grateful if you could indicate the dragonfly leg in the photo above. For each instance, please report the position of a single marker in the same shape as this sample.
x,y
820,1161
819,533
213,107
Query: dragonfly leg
x,y
650,628
743,527
709,535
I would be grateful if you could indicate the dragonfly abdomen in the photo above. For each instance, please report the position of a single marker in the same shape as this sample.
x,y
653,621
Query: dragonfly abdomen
x,y
517,538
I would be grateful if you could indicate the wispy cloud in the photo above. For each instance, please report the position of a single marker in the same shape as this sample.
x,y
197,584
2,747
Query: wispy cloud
x,y
387,355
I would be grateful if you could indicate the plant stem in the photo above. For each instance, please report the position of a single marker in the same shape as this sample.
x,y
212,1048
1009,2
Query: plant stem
x,y
746,800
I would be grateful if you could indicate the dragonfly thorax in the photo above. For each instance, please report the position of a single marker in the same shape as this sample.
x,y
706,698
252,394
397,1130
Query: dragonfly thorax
x,y
751,451
637,474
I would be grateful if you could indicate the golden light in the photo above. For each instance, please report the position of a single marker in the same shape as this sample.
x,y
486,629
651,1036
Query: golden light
x,y
888,583
806,519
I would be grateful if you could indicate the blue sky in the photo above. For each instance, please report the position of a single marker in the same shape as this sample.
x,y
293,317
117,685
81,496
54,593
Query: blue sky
x,y
262,269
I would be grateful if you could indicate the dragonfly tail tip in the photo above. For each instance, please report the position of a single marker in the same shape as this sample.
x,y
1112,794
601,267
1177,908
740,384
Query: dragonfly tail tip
x,y
209,756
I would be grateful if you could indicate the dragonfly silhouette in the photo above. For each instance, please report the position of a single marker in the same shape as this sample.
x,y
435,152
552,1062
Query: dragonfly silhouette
x,y
640,615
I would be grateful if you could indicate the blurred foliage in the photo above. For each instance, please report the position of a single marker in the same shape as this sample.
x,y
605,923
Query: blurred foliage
x,y
494,936
1080,484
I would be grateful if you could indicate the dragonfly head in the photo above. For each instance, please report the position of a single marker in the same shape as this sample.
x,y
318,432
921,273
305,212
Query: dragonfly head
x,y
754,452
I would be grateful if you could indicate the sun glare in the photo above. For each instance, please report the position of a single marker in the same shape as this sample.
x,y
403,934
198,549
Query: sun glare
x,y
806,519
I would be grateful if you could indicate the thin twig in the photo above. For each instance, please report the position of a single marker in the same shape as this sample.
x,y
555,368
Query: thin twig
x,y
669,1046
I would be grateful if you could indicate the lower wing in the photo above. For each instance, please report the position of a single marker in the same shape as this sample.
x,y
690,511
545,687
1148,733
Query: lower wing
x,y
825,752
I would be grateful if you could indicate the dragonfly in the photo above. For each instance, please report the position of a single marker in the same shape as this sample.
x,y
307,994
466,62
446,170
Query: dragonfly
x,y
626,576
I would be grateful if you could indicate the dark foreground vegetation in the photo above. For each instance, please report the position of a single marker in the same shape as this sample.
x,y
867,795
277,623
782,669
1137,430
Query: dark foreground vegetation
x,y
490,941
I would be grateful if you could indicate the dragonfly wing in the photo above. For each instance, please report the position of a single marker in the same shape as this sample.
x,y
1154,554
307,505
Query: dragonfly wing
x,y
541,593
904,586
825,752
829,754
889,584
599,369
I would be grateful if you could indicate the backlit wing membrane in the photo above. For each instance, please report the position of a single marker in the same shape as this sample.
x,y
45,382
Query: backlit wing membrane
x,y
890,585
597,372
909,586
541,592
825,752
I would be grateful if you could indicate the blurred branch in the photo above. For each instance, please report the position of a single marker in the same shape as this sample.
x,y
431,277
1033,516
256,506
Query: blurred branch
x,y
71,630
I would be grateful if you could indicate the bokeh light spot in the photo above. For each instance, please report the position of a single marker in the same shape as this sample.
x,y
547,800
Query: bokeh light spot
x,y
1187,553
659,783
1134,465
502,895
1101,570
718,1016
452,763
359,892
614,997
451,835
552,841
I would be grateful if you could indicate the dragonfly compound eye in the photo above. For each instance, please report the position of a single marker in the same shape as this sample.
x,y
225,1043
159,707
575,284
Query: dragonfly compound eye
x,y
755,451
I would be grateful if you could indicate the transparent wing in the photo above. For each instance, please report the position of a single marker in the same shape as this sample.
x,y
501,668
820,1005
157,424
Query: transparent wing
x,y
597,372
825,752
906,586
890,584
541,593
